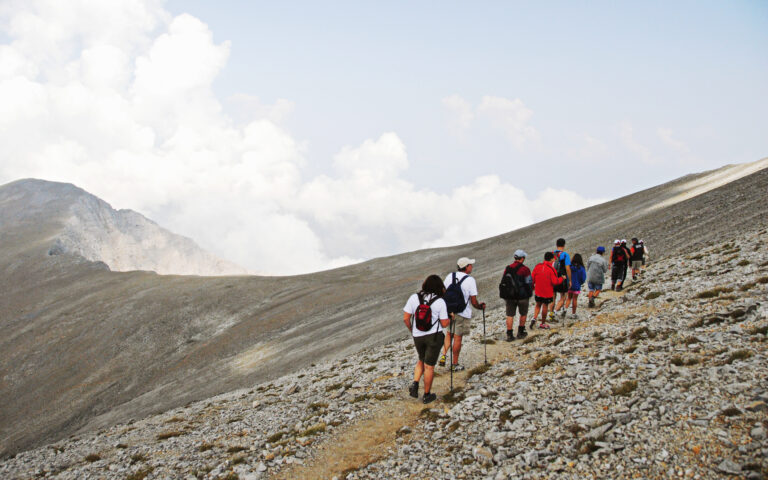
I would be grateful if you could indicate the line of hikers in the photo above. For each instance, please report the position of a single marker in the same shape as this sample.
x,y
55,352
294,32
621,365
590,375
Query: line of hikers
x,y
448,302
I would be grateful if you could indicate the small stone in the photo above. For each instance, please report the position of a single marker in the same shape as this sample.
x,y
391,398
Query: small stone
x,y
758,433
736,388
757,406
730,467
404,430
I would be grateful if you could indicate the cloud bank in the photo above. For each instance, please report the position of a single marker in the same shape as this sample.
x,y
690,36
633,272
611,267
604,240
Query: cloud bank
x,y
117,98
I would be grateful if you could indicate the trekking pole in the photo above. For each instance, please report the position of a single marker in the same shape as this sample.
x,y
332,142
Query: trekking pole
x,y
450,345
485,343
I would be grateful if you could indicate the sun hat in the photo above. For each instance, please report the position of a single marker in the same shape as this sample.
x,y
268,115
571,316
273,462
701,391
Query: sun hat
x,y
520,254
464,261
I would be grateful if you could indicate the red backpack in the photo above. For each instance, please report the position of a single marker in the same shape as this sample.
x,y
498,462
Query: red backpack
x,y
423,314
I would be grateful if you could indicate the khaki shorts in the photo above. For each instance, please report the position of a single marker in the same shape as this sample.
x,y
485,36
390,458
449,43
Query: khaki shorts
x,y
461,326
637,264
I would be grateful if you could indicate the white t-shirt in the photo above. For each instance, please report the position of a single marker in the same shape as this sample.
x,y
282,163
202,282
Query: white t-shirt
x,y
439,312
468,288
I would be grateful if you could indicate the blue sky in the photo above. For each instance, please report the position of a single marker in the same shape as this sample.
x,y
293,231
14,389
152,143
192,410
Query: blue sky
x,y
296,136
355,69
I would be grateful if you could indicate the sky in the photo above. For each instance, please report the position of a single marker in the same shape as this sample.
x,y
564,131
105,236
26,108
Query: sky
x,y
292,137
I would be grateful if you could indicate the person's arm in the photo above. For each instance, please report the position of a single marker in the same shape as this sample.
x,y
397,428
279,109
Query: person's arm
x,y
407,321
568,273
479,306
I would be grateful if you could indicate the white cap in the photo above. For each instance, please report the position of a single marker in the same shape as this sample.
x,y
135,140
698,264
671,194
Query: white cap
x,y
464,261
623,240
520,254
617,242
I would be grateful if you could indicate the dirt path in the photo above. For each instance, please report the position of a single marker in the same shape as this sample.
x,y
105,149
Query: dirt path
x,y
369,440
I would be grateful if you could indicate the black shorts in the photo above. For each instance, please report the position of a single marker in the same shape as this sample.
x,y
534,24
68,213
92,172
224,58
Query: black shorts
x,y
521,305
544,300
428,347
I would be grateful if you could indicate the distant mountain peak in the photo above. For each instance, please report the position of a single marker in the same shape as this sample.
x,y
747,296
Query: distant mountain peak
x,y
88,226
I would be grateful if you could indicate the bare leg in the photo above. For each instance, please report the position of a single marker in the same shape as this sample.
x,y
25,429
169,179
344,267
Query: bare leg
x,y
511,323
418,371
523,319
429,373
456,348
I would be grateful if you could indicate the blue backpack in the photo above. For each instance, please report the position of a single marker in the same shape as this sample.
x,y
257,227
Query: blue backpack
x,y
454,297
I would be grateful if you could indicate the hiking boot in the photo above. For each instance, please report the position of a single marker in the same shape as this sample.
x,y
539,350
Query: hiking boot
x,y
441,362
413,390
521,333
562,313
573,316
551,315
591,302
510,337
618,287
533,324
458,368
429,397
544,326
634,277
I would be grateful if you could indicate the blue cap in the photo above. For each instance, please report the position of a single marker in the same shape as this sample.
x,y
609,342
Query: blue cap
x,y
600,249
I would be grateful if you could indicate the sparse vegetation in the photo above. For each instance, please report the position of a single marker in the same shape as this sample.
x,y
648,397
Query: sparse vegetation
x,y
119,445
620,339
138,457
429,414
238,460
641,332
478,370
679,361
334,386
530,339
743,263
759,330
630,348
653,295
174,420
275,437
543,361
166,435
455,396
488,341
140,474
92,457
236,448
314,430
204,447
558,341
317,406
739,355
382,396
731,412
714,292
625,388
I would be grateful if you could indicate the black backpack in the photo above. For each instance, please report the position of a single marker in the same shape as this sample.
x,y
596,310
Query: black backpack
x,y
423,314
512,287
454,297
559,266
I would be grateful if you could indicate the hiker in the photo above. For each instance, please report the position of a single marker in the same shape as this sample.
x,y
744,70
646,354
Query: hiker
x,y
618,265
637,252
628,256
596,270
544,279
516,288
426,316
646,254
460,309
563,267
579,276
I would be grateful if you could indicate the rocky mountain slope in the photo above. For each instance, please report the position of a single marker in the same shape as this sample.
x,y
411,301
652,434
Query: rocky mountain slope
x,y
667,379
122,239
85,348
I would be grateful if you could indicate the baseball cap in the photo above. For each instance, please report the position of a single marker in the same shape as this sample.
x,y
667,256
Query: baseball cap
x,y
600,249
623,240
617,242
464,261
520,254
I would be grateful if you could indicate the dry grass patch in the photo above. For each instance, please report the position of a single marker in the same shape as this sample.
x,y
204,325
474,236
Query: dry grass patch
x,y
314,430
653,295
140,474
543,361
714,292
739,355
92,457
166,435
625,388
455,396
478,370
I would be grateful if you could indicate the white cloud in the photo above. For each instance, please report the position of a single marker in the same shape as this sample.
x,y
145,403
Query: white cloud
x,y
117,98
460,113
665,134
511,117
627,136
